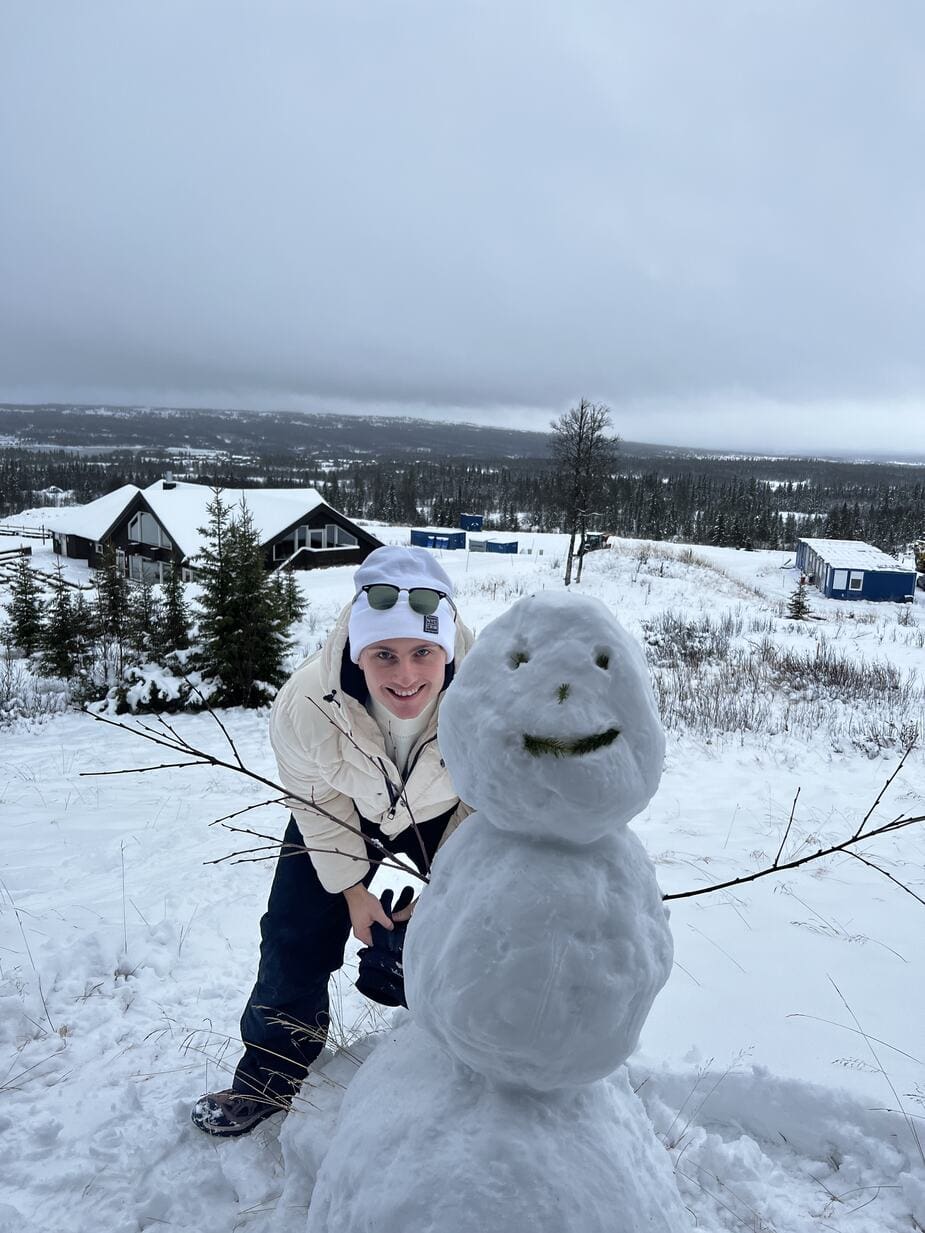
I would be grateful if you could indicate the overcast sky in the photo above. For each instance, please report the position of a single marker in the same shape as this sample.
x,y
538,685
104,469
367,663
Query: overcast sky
x,y
710,216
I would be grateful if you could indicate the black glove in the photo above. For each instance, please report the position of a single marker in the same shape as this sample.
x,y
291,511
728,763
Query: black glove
x,y
381,976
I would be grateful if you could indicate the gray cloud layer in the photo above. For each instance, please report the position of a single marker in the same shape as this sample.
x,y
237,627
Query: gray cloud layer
x,y
706,215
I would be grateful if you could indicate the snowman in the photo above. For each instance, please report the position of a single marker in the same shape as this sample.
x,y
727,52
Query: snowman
x,y
501,1101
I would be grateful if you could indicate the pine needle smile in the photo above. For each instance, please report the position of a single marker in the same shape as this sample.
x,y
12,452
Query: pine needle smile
x,y
536,745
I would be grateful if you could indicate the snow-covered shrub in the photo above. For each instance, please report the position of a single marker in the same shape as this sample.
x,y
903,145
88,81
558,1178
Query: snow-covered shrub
x,y
24,694
151,687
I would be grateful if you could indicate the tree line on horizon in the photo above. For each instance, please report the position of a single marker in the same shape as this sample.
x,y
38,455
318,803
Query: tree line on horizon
x,y
711,501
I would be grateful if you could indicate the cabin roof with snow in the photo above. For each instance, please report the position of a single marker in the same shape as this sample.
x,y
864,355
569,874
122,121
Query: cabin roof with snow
x,y
851,554
93,520
183,508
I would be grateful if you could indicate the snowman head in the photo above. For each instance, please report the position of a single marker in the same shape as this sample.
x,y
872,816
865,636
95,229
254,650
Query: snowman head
x,y
550,727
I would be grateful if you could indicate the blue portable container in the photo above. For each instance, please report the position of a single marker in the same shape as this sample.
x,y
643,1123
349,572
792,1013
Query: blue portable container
x,y
851,569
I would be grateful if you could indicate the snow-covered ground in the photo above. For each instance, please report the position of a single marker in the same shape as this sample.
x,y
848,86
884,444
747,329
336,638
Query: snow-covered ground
x,y
774,1064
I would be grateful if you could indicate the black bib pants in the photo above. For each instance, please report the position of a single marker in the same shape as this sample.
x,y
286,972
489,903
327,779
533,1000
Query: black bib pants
x,y
303,935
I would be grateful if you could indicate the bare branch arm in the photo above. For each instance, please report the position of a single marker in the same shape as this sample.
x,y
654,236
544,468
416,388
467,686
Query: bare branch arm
x,y
819,854
203,758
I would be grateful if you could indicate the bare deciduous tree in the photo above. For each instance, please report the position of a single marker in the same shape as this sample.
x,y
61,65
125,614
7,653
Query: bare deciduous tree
x,y
585,455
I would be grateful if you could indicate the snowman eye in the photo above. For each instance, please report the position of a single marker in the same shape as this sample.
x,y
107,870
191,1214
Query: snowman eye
x,y
518,658
602,659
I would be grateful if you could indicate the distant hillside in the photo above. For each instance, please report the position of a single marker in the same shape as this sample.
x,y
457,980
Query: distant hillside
x,y
342,438
262,433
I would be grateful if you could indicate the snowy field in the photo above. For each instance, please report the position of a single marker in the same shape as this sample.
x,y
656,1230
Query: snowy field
x,y
775,1065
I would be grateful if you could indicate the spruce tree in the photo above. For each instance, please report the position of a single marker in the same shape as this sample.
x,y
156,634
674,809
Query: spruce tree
x,y
391,504
174,631
144,619
798,605
66,632
113,613
242,625
25,608
292,605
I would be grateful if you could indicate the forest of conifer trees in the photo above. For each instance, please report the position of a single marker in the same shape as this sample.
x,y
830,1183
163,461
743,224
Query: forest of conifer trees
x,y
693,500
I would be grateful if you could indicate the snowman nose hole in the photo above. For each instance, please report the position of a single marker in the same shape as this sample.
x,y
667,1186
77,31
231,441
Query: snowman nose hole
x,y
563,692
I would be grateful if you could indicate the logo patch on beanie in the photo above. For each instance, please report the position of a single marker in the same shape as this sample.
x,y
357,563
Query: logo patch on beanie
x,y
431,624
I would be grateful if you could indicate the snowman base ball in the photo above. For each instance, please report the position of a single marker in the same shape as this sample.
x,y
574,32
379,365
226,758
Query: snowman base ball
x,y
426,1145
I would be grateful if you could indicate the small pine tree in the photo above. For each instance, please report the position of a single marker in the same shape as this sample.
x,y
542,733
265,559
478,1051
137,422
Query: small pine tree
x,y
144,618
242,625
66,632
291,602
174,631
113,613
25,608
391,504
213,571
798,605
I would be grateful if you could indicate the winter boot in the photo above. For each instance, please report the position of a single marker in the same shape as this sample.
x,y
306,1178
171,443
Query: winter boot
x,y
231,1113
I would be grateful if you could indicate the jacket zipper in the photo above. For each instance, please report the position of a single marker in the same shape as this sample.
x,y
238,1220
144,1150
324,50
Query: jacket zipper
x,y
395,800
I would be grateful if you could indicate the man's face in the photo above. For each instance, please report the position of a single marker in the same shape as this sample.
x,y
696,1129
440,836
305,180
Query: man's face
x,y
403,674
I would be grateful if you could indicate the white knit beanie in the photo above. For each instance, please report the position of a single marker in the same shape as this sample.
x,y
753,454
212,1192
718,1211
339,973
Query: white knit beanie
x,y
404,568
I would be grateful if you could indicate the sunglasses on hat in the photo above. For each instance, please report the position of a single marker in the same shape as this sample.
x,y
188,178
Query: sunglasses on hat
x,y
383,595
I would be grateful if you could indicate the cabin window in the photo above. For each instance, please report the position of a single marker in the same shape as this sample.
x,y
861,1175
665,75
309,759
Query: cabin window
x,y
283,549
857,581
337,537
141,569
145,529
309,537
328,536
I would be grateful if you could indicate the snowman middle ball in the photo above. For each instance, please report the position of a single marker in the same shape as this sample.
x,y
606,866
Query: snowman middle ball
x,y
537,964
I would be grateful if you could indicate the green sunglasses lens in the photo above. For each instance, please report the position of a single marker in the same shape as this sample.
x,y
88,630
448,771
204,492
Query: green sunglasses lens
x,y
382,597
423,600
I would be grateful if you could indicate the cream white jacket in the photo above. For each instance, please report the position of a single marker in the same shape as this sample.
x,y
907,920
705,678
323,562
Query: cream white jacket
x,y
331,751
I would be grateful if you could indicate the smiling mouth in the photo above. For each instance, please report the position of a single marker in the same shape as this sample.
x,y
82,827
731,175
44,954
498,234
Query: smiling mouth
x,y
536,745
413,693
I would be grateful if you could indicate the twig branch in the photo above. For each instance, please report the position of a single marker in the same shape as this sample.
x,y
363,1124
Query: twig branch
x,y
870,864
793,810
277,800
279,849
139,770
225,732
864,820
